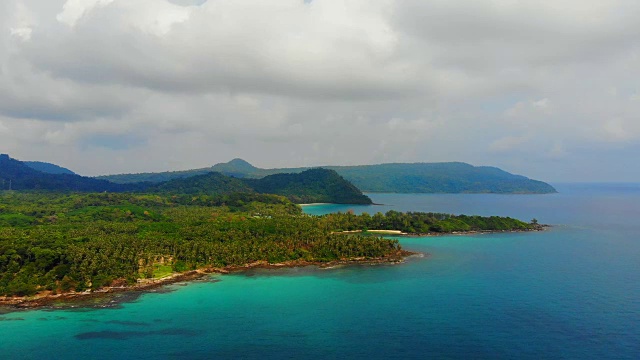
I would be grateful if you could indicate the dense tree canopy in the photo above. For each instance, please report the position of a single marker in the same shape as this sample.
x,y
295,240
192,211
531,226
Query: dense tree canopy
x,y
62,242
310,186
424,223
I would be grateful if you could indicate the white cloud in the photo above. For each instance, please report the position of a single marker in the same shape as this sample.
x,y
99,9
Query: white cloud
x,y
403,125
614,129
74,10
24,33
557,151
541,104
197,82
507,143
529,110
22,22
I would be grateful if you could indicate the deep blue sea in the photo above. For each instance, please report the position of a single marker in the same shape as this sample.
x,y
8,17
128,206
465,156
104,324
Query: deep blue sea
x,y
572,292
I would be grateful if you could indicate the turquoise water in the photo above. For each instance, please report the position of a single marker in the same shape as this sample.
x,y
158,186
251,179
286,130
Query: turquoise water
x,y
570,292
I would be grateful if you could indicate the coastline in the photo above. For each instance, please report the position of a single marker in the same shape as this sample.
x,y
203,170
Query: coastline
x,y
541,227
315,204
45,299
384,232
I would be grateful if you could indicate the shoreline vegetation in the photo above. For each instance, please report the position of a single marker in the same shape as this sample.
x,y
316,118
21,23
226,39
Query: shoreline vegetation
x,y
60,247
537,227
47,298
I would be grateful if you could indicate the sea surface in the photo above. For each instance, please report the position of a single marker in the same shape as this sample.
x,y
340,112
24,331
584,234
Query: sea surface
x,y
572,292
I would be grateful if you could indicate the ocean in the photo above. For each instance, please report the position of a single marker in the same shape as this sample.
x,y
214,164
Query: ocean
x,y
571,292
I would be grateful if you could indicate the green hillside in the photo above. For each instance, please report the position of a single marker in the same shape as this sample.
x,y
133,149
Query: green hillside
x,y
440,178
16,175
316,185
49,168
210,183
310,186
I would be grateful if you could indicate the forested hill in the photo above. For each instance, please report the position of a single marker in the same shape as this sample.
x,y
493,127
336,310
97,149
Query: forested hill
x,y
237,168
310,186
49,168
210,183
16,175
316,185
452,177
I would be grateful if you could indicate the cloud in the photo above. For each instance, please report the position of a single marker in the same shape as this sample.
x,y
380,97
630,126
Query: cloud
x,y
614,130
293,49
557,151
529,109
22,22
114,142
74,10
188,2
518,34
159,84
507,143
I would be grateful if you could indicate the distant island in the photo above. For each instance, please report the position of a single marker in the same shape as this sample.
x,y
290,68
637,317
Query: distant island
x,y
452,177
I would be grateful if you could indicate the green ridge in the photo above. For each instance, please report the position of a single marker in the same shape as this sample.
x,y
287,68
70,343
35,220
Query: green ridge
x,y
451,177
316,185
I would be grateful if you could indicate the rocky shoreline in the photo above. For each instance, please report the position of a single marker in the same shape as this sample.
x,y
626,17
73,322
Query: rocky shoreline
x,y
47,299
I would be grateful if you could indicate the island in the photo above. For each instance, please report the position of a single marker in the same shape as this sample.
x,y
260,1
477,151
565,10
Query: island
x,y
447,177
69,245
66,236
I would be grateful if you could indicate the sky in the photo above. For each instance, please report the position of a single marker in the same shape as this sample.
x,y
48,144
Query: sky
x,y
544,88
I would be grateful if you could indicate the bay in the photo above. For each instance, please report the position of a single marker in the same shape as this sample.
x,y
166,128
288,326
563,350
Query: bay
x,y
570,292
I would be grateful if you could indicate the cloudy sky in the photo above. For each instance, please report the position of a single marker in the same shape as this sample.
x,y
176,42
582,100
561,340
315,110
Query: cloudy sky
x,y
545,88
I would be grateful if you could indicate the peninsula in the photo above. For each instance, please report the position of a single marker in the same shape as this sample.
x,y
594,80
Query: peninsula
x,y
56,246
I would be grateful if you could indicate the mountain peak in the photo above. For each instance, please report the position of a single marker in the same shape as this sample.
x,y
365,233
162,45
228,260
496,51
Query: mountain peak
x,y
237,162
234,167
